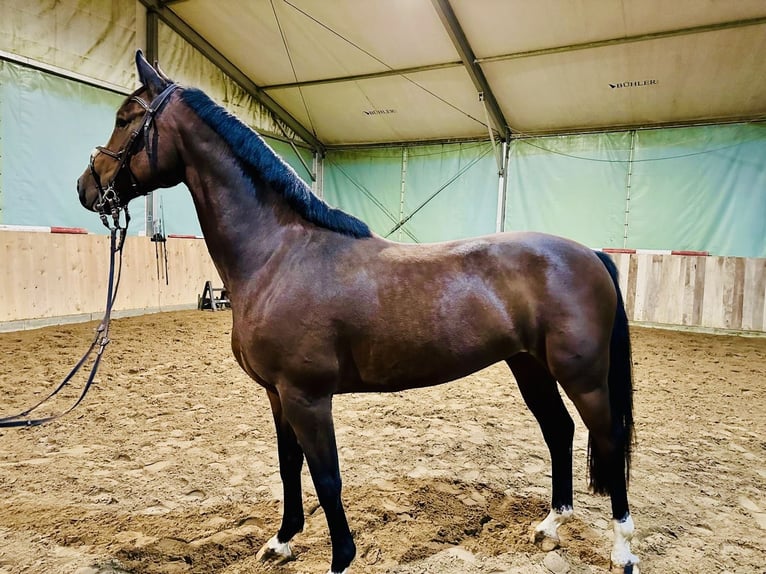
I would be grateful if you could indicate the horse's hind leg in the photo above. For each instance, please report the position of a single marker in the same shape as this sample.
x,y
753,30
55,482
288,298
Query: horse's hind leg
x,y
540,392
278,549
593,406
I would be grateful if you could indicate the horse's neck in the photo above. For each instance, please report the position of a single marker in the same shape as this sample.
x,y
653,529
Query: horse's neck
x,y
241,226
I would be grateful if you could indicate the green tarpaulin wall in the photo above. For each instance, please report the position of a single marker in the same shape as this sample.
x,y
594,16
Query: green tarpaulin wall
x,y
177,212
439,191
691,188
695,188
48,127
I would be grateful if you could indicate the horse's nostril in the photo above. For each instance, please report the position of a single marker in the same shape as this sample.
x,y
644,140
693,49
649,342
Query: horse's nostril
x,y
81,194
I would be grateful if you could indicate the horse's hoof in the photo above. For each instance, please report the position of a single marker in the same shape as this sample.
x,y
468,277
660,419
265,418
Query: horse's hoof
x,y
545,542
545,535
625,569
275,552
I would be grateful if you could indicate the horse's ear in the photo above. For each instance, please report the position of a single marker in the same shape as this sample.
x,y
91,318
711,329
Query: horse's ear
x,y
148,76
162,74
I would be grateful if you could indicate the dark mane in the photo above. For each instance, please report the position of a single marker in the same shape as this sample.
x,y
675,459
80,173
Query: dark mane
x,y
259,159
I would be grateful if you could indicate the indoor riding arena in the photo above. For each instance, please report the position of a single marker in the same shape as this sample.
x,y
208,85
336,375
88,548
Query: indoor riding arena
x,y
425,146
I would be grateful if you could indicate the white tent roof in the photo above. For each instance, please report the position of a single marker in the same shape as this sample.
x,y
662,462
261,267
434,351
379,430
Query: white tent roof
x,y
375,71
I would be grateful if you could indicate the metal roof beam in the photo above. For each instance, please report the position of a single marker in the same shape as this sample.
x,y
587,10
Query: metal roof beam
x,y
456,34
152,37
152,53
205,48
625,40
370,76
408,143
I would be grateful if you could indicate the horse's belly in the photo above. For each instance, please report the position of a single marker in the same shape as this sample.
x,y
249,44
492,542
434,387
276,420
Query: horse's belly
x,y
402,367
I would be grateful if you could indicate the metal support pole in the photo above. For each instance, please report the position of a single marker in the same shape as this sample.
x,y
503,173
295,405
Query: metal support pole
x,y
628,183
151,222
502,185
317,184
402,190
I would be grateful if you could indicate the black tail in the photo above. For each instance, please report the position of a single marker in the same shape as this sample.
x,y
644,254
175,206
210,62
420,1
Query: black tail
x,y
620,393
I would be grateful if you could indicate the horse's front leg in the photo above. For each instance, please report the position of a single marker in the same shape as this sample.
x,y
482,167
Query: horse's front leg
x,y
311,418
278,549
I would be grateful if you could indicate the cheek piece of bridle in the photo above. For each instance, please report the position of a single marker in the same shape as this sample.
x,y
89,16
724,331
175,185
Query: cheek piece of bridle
x,y
108,204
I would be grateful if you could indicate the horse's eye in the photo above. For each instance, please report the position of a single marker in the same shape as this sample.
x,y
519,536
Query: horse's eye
x,y
121,122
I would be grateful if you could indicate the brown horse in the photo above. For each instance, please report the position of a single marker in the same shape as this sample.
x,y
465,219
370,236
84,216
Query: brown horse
x,y
321,305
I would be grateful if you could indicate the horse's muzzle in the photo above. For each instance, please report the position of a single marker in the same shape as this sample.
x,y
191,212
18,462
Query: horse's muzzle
x,y
81,193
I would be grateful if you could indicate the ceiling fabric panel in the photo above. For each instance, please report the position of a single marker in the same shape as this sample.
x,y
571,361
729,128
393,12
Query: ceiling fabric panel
x,y
187,66
497,27
389,109
324,39
642,84
686,61
88,37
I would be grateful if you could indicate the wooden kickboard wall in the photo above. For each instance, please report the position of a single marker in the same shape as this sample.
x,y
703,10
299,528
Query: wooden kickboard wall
x,y
60,276
63,277
693,291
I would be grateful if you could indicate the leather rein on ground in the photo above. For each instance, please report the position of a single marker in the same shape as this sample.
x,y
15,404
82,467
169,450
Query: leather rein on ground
x,y
108,205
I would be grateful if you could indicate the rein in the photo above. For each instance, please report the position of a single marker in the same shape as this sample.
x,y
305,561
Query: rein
x,y
108,204
100,341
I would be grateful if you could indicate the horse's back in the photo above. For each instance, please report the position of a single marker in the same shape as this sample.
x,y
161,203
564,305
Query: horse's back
x,y
444,310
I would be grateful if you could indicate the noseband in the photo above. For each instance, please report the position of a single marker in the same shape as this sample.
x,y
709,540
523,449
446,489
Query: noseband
x,y
108,202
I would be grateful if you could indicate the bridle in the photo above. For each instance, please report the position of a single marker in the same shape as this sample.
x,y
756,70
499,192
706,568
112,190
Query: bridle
x,y
108,203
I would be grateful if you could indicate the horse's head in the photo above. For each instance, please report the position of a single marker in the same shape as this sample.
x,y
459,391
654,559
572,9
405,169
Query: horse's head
x,y
140,155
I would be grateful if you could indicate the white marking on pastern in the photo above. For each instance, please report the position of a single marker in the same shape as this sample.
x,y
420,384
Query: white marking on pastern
x,y
622,556
275,549
546,533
